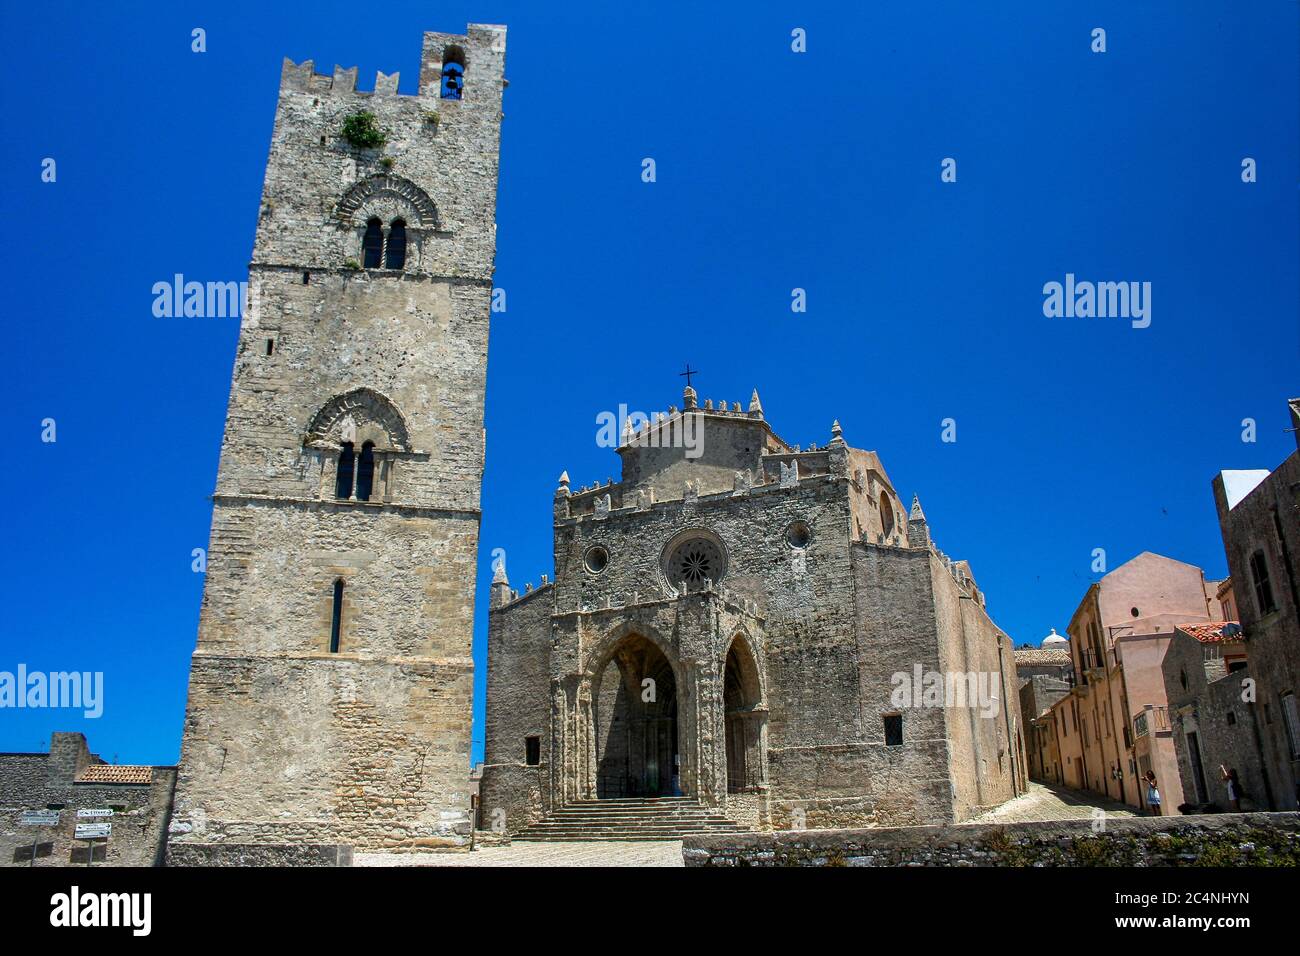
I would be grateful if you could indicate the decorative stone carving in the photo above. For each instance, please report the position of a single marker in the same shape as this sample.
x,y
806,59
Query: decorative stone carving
x,y
361,413
388,197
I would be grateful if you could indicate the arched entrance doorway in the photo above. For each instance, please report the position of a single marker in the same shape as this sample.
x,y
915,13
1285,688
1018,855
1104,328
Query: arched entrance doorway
x,y
744,716
634,712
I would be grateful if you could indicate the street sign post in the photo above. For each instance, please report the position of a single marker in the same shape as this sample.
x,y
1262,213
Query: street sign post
x,y
90,832
38,818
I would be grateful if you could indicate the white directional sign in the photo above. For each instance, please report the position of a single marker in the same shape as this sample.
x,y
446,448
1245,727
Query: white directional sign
x,y
94,813
40,818
93,831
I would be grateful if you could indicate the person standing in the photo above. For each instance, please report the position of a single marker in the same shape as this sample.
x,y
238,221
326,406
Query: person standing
x,y
1153,794
1234,786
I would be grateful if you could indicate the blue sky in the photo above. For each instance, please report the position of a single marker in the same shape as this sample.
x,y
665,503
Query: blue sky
x,y
775,170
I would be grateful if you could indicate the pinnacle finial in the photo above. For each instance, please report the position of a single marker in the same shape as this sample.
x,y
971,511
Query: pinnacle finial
x,y
755,406
499,570
917,514
564,480
836,431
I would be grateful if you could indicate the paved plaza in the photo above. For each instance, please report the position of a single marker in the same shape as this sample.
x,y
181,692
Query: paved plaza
x,y
1050,802
664,853
1042,802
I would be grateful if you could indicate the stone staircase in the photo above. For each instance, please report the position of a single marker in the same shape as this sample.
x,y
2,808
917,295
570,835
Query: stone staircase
x,y
637,818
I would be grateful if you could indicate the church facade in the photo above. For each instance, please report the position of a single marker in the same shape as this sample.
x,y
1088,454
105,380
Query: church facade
x,y
753,625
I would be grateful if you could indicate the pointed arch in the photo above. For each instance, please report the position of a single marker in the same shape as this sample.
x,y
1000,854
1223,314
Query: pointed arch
x,y
744,717
633,694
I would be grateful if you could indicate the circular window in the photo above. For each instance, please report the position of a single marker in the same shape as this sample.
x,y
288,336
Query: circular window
x,y
694,561
886,515
798,535
1134,611
596,559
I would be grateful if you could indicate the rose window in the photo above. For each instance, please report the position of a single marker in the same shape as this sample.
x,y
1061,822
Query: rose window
x,y
695,561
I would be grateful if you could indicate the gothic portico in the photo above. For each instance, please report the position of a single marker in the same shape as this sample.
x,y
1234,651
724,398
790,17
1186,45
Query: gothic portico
x,y
662,697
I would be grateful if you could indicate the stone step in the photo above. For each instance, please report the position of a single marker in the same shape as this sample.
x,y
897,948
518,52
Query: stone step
x,y
633,814
578,836
636,825
628,819
606,801
617,838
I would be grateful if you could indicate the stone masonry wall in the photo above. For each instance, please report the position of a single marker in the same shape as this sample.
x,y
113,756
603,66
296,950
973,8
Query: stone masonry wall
x,y
37,781
1268,520
898,631
1251,839
519,686
258,854
1225,725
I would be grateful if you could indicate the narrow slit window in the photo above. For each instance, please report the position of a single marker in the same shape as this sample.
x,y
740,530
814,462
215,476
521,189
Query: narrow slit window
x,y
1263,587
270,346
396,251
336,618
347,465
532,751
372,246
366,471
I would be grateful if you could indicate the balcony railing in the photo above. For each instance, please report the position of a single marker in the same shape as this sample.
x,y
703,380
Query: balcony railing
x,y
1091,659
1152,720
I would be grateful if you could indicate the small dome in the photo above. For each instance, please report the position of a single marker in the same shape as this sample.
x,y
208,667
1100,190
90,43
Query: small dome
x,y
1055,640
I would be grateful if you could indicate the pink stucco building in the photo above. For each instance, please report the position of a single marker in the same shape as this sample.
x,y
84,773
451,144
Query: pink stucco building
x,y
1114,725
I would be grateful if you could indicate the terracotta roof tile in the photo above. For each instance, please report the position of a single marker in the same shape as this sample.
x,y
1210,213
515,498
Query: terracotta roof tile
x,y
1041,655
115,773
1211,632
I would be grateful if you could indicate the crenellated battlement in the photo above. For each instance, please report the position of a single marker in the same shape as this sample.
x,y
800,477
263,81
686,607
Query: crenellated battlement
x,y
304,78
480,52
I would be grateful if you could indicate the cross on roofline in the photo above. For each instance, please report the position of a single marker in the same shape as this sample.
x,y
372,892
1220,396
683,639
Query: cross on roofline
x,y
688,373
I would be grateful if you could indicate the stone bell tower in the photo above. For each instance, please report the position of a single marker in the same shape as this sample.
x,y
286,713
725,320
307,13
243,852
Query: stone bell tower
x,y
330,691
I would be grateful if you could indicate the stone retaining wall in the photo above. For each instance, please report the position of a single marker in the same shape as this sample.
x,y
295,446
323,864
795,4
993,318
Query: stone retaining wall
x,y
258,854
1230,839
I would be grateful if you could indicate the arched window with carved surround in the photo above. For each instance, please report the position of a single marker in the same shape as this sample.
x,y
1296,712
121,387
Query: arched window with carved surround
x,y
359,438
391,219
